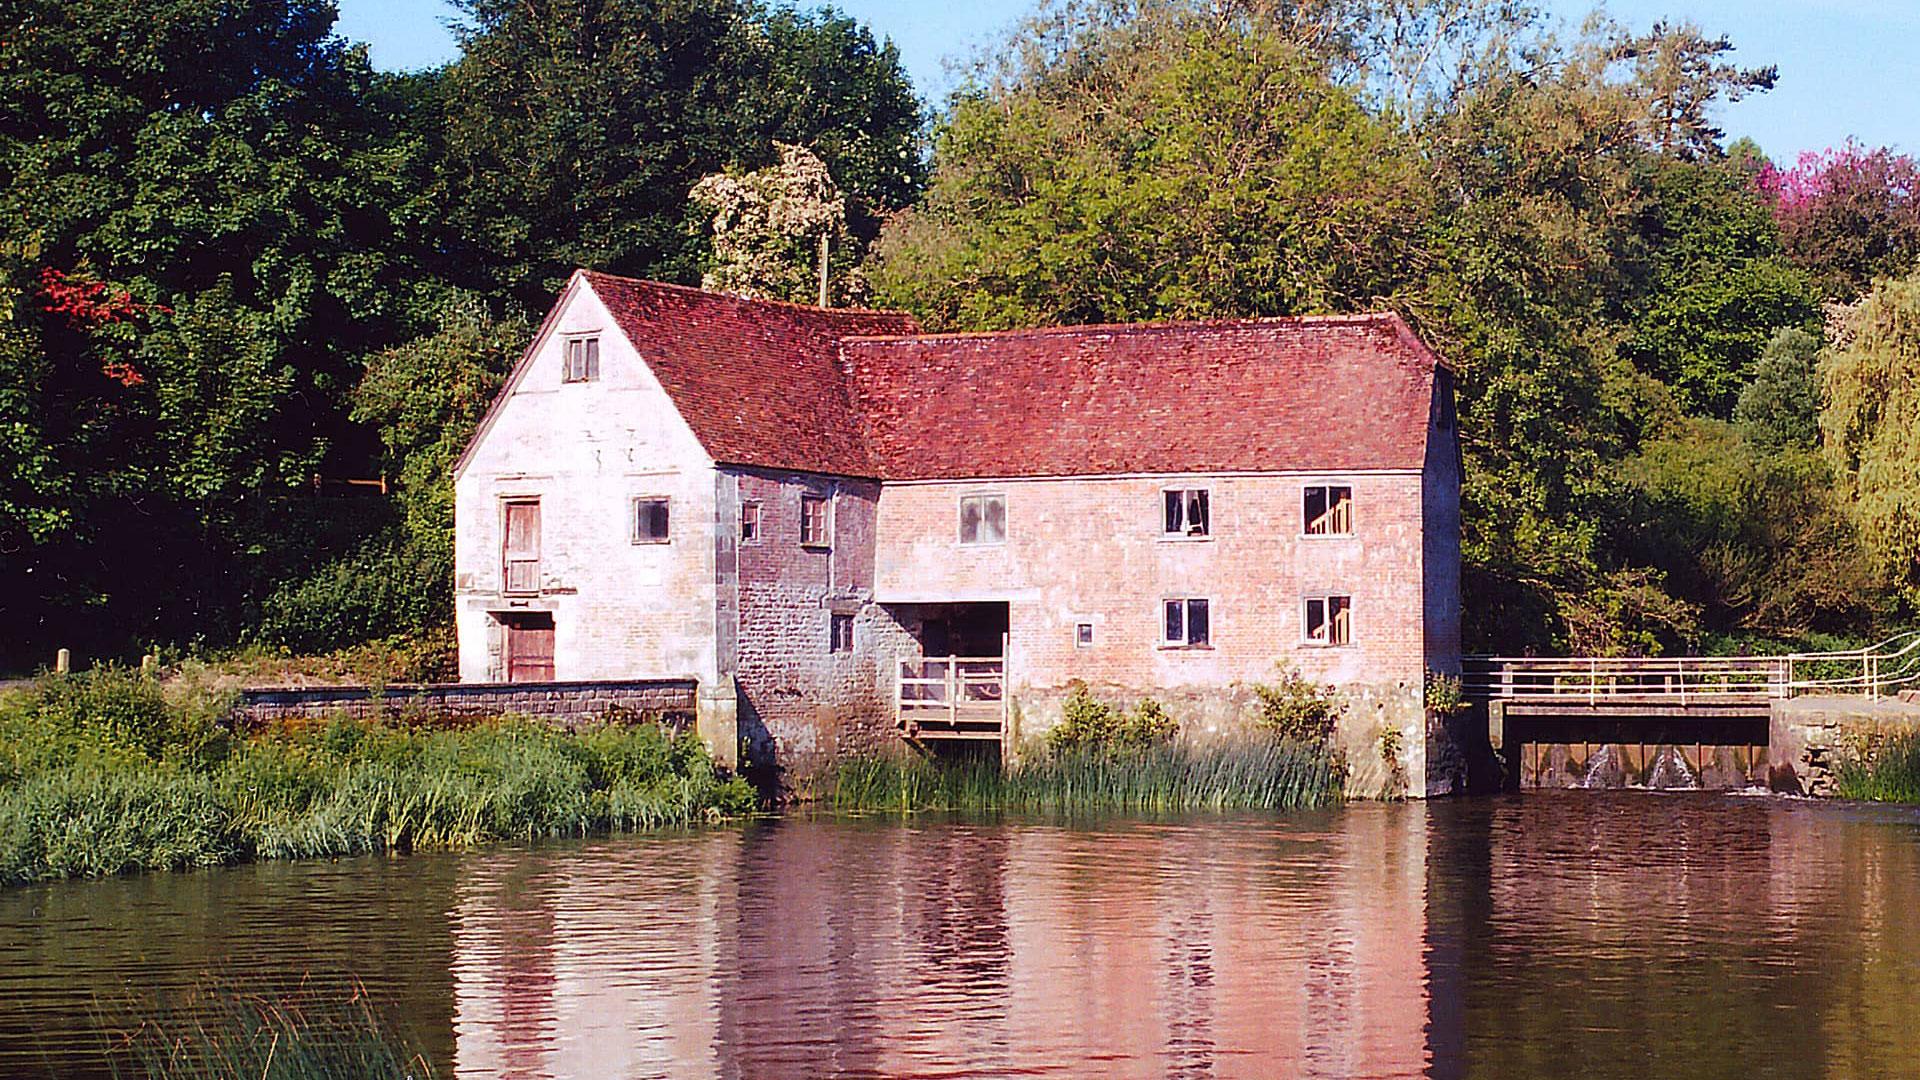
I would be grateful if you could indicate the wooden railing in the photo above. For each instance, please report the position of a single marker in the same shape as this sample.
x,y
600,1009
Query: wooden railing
x,y
952,697
1877,671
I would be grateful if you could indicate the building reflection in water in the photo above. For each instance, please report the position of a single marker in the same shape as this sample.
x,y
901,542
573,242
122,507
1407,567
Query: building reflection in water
x,y
1217,948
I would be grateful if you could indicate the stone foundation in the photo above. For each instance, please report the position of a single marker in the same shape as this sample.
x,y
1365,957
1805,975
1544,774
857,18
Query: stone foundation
x,y
1207,713
1807,735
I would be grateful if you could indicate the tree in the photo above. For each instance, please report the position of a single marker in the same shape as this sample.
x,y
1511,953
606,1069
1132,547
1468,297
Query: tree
x,y
575,130
1848,215
1721,285
1678,79
425,398
1781,406
1871,423
210,211
1171,167
774,228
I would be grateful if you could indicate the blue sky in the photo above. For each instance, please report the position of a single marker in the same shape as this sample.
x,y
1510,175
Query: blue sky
x,y
1847,67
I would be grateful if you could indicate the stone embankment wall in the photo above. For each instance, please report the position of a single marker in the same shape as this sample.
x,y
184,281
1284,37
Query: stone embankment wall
x,y
569,704
1807,736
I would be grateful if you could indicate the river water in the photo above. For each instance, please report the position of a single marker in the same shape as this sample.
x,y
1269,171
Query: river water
x,y
1546,934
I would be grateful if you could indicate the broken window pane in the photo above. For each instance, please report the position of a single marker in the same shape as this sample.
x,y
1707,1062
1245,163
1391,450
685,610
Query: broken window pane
x,y
1186,512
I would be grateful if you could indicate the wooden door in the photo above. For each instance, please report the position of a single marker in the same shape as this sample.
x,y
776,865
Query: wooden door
x,y
530,649
520,554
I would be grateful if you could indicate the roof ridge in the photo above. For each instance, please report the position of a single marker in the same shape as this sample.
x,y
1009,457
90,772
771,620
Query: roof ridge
x,y
1156,326
814,309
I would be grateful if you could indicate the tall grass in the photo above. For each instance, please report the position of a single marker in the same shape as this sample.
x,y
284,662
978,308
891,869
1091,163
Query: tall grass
x,y
1240,775
1886,771
99,775
306,1034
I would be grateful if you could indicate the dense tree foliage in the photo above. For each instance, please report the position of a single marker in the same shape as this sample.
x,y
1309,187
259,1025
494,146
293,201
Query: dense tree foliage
x,y
234,259
214,216
1560,216
1871,384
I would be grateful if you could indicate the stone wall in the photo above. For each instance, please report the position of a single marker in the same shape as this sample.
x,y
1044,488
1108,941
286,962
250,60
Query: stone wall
x,y
571,704
801,703
1807,735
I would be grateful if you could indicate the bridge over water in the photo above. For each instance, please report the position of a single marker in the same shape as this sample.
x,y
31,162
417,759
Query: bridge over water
x,y
1684,701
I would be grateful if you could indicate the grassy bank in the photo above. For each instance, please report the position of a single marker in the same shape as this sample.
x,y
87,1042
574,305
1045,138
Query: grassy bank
x,y
1256,774
103,773
1885,771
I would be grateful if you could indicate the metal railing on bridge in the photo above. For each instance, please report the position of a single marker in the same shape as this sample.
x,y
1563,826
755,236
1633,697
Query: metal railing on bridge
x,y
1874,672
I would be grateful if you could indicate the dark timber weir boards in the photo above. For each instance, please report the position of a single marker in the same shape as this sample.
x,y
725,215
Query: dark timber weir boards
x,y
1678,702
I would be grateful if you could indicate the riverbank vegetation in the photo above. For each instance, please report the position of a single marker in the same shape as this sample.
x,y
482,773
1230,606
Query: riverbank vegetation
x,y
1250,774
303,1034
239,268
1101,758
1882,770
103,773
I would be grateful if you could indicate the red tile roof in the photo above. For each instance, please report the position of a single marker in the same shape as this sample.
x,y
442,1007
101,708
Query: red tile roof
x,y
1319,393
758,381
858,393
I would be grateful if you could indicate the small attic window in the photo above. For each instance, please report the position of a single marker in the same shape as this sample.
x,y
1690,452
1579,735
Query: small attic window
x,y
583,359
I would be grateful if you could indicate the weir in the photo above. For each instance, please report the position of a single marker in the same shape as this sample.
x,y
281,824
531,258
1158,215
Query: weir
x,y
1690,720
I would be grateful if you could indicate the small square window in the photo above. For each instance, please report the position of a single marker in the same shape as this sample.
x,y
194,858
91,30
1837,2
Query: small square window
x,y
1186,512
1083,635
1327,620
1186,623
583,359
650,522
1328,510
813,520
983,519
841,633
750,523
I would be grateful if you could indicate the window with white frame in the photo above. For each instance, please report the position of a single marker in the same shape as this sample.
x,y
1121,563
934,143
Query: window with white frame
x,y
1083,635
1185,622
749,522
583,359
840,633
650,521
983,519
815,521
1328,510
1185,512
1327,620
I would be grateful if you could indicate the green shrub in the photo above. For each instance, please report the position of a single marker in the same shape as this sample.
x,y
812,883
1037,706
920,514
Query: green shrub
x,y
386,588
1088,724
1297,710
1443,694
1885,769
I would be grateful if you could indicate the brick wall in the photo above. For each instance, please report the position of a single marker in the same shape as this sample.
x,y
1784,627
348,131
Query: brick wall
x,y
800,703
570,704
1091,550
